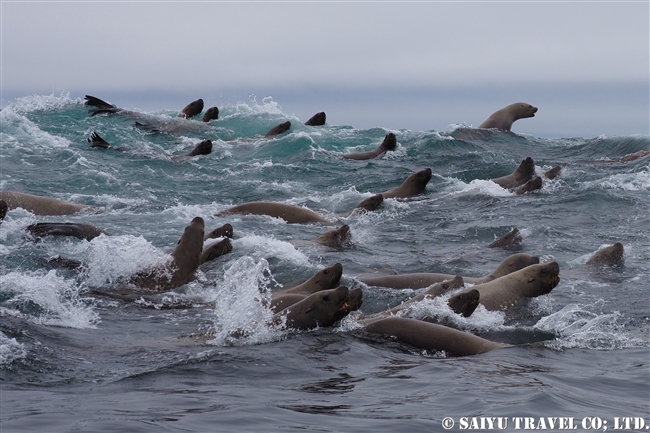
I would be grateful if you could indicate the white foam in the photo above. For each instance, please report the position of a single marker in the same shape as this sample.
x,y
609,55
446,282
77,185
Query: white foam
x,y
10,350
261,247
477,187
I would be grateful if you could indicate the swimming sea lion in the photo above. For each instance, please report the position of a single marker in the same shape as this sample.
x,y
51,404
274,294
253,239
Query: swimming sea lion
x,y
505,117
3,210
389,143
338,238
215,250
77,230
431,336
413,185
634,156
40,205
532,185
225,231
530,282
317,119
183,263
608,256
203,148
553,173
191,109
324,279
279,129
321,309
510,240
211,113
510,264
293,214
520,176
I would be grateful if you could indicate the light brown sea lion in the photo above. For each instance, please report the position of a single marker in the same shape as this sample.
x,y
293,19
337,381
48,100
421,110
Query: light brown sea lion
x,y
321,309
532,185
431,336
191,109
510,240
389,143
279,129
40,205
337,238
608,256
520,176
295,214
510,264
413,185
77,230
215,250
530,282
324,279
211,113
180,268
634,156
317,119
225,231
505,117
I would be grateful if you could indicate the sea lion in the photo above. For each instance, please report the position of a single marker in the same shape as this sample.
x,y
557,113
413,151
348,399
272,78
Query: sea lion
x,y
191,109
389,143
215,250
77,230
509,241
505,117
203,148
337,238
3,210
293,214
324,279
510,264
431,336
321,309
520,176
553,173
40,205
225,231
317,119
279,129
608,256
211,113
183,263
532,185
530,282
634,156
413,185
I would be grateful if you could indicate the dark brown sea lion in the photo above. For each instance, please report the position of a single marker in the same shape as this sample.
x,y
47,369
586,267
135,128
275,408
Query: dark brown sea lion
x,y
389,143
530,282
203,148
553,173
413,185
520,176
431,336
211,113
77,230
510,240
321,309
510,264
191,109
505,117
40,205
532,185
3,210
608,256
337,238
215,250
279,129
324,279
183,263
101,106
317,119
225,231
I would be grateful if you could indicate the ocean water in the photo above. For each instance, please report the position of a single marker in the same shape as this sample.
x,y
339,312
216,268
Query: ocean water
x,y
74,359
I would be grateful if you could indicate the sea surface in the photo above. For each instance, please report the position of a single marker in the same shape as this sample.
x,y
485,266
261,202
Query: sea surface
x,y
74,359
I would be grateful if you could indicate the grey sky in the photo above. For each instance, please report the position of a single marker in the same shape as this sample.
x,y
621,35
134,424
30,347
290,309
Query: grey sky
x,y
420,66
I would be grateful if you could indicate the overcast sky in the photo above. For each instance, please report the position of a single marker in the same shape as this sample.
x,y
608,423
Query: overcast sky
x,y
415,65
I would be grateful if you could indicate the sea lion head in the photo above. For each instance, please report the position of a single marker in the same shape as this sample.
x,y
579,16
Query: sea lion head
x,y
513,263
203,148
608,256
335,238
317,119
390,142
211,113
542,278
371,203
225,231
279,129
192,109
328,277
526,168
464,303
523,110
322,309
418,180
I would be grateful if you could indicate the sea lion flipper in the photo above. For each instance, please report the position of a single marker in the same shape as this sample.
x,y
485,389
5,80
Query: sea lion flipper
x,y
97,141
96,102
